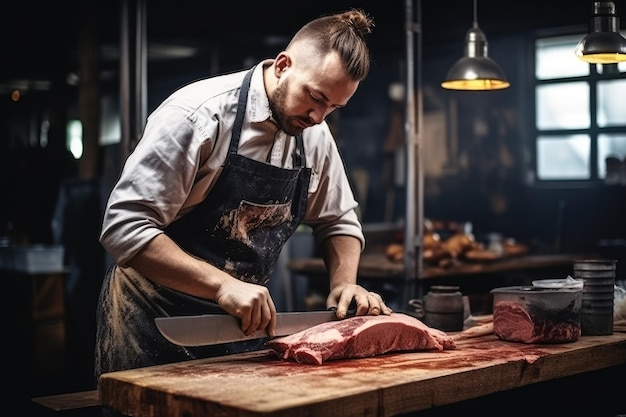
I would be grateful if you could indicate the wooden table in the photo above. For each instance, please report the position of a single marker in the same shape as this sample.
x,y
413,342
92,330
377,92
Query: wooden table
x,y
258,384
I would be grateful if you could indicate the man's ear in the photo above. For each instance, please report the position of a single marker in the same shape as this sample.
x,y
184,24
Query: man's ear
x,y
281,63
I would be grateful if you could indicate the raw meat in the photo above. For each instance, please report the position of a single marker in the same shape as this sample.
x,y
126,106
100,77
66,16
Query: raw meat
x,y
514,322
360,337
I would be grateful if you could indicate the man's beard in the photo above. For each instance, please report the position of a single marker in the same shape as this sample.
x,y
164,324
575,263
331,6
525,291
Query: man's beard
x,y
277,106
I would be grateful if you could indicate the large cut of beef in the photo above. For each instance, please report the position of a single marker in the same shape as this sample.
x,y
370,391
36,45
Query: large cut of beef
x,y
515,322
360,337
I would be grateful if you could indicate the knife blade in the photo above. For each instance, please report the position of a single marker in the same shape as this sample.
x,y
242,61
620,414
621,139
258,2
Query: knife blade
x,y
211,329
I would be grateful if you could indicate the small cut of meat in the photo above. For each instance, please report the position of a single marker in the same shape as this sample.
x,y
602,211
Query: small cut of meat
x,y
513,322
360,337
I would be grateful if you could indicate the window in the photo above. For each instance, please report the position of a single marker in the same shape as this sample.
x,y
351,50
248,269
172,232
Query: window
x,y
580,116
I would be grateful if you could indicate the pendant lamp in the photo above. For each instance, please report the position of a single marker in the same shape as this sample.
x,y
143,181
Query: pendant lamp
x,y
475,71
604,45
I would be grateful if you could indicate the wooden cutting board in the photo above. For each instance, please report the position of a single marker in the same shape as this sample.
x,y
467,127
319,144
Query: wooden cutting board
x,y
259,384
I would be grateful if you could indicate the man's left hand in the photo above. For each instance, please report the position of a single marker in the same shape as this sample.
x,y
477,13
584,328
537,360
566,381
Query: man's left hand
x,y
367,302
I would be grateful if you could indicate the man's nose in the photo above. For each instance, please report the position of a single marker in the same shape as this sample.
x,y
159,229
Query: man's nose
x,y
319,114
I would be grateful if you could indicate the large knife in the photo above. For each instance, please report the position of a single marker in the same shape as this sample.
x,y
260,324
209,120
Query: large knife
x,y
212,329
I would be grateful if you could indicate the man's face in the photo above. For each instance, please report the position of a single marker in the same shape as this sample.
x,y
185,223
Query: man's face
x,y
292,125
304,97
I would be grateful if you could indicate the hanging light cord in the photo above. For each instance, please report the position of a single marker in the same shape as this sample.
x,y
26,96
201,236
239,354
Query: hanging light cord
x,y
475,14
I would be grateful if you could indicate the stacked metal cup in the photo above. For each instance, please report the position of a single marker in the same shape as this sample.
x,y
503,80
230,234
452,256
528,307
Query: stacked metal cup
x,y
598,277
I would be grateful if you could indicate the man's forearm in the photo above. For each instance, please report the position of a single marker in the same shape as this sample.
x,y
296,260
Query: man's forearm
x,y
341,256
162,261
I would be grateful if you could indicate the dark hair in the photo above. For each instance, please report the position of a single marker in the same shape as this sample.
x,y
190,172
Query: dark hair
x,y
345,33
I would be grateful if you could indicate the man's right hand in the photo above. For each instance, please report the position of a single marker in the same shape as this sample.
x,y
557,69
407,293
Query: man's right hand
x,y
164,262
251,303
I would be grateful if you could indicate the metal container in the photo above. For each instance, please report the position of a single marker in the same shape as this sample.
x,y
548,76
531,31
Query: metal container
x,y
530,314
598,295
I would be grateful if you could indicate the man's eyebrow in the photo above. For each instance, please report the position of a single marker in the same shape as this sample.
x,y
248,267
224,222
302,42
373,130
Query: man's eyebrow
x,y
337,106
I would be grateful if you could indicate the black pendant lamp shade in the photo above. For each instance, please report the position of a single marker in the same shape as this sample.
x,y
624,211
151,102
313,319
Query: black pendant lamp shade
x,y
475,71
604,44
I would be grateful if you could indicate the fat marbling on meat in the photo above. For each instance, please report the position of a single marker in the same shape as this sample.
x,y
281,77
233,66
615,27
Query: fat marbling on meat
x,y
360,337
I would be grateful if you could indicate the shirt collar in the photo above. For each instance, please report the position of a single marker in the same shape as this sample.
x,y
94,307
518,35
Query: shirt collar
x,y
258,102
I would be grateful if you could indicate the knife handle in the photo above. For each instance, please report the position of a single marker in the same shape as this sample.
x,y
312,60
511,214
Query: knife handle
x,y
350,313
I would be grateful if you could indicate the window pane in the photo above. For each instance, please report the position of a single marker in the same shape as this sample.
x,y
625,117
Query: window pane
x,y
74,138
612,157
110,120
555,58
563,157
611,103
563,106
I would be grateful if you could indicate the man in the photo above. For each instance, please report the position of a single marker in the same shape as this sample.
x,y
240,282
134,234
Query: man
x,y
226,170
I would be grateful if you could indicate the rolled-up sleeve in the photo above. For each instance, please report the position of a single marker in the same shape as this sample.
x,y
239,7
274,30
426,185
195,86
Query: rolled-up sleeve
x,y
331,206
154,184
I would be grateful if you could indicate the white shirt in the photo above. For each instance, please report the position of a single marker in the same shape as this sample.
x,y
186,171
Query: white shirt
x,y
183,148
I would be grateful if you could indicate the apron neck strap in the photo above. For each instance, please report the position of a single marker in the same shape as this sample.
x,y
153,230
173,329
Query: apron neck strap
x,y
241,111
299,160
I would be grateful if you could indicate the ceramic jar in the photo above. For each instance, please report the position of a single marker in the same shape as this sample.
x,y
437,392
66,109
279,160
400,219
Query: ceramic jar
x,y
443,308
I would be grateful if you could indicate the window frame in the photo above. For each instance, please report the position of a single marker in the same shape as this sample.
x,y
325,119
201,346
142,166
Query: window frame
x,y
609,72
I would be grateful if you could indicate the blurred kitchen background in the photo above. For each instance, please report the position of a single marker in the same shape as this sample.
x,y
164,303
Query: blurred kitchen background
x,y
542,162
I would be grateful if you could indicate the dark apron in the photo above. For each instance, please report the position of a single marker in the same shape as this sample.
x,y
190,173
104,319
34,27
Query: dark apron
x,y
240,227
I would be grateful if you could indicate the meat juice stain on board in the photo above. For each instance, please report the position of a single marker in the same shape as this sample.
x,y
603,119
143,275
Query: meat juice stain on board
x,y
427,360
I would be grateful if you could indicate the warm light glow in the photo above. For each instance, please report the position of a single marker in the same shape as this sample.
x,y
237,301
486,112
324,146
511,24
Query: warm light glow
x,y
607,58
475,85
16,95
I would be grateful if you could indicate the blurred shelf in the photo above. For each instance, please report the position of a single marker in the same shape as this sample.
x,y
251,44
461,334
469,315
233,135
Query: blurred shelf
x,y
378,266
